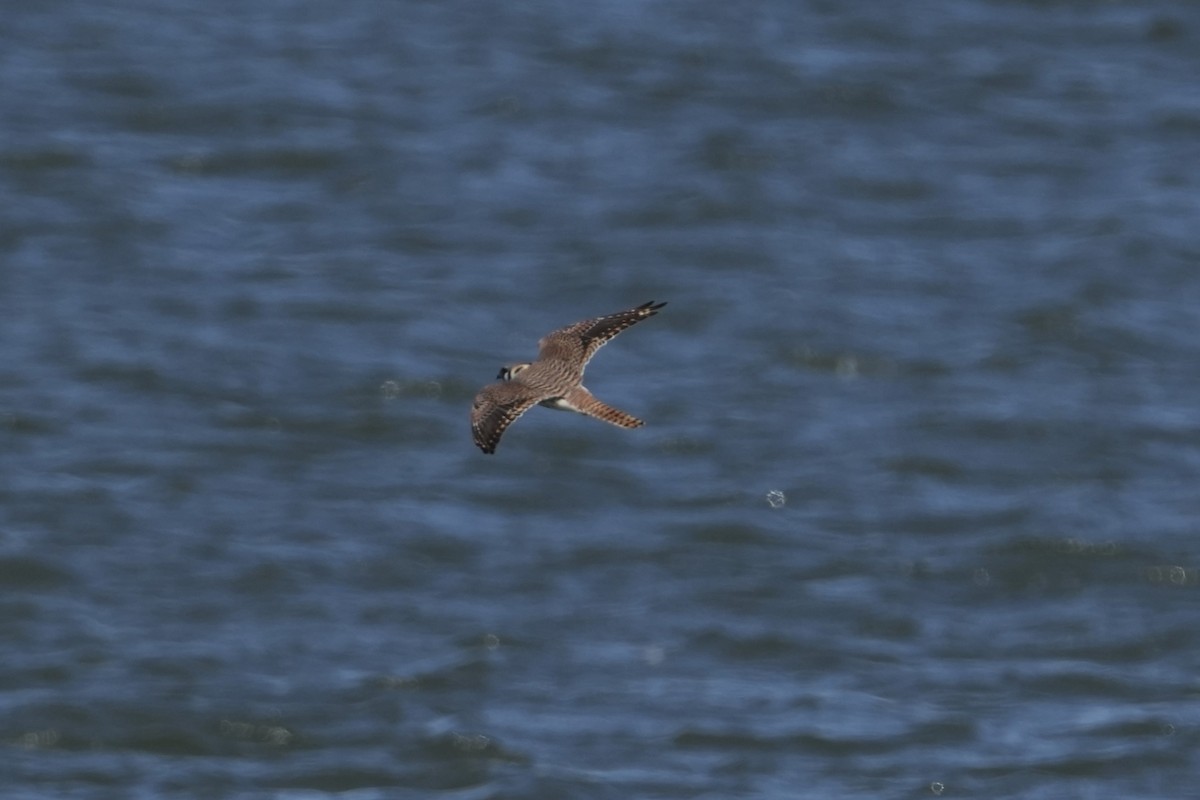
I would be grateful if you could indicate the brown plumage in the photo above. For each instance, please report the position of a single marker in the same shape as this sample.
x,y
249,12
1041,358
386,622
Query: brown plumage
x,y
555,379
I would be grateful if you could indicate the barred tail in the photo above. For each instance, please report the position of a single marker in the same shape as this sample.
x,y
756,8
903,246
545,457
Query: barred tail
x,y
583,401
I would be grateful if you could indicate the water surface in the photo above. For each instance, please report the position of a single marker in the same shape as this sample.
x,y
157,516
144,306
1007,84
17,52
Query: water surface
x,y
914,510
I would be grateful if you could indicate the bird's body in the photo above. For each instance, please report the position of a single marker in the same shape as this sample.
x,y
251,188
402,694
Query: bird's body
x,y
555,379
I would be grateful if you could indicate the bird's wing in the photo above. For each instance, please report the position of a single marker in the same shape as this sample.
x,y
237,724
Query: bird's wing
x,y
583,339
497,406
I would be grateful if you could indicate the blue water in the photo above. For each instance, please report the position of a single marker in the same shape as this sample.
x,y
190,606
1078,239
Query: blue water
x,y
914,513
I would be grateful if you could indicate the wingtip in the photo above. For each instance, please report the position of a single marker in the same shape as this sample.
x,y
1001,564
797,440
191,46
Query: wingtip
x,y
481,442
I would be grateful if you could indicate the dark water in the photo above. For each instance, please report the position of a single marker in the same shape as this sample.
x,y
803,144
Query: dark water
x,y
915,510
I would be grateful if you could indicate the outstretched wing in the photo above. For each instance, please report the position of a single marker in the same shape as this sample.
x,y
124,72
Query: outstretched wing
x,y
495,408
583,339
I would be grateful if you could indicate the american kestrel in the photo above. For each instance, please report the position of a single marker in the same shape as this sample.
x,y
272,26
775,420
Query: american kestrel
x,y
555,379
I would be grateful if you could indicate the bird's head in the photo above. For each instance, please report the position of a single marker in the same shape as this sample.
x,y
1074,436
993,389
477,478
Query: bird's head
x,y
511,371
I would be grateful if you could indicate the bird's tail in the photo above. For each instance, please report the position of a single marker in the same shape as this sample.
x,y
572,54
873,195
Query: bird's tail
x,y
581,400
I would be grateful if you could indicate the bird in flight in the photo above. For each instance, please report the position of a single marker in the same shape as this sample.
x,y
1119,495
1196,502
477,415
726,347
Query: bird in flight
x,y
555,379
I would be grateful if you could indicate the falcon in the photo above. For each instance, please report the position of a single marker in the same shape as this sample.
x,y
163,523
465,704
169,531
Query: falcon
x,y
555,379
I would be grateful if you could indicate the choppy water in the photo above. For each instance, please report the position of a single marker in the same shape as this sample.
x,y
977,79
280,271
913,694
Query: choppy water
x,y
915,511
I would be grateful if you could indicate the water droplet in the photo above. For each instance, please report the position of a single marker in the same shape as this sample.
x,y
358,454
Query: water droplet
x,y
776,498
